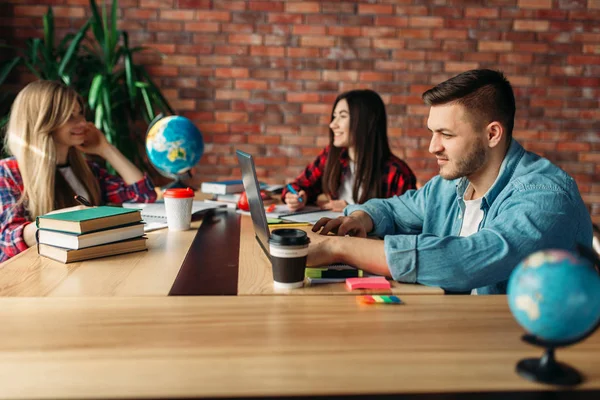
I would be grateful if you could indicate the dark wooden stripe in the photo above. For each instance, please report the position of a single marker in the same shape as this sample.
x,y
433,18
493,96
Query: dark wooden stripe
x,y
211,264
550,394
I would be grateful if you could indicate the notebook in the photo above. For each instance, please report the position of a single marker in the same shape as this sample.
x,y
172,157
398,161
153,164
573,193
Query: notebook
x,y
155,213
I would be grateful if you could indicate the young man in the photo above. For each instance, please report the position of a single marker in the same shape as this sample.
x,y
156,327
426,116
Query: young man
x,y
492,204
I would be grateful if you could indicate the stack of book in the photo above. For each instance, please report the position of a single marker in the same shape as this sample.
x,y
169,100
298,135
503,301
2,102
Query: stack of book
x,y
90,233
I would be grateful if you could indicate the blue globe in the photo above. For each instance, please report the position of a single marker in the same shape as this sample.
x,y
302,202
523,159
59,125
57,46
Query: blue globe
x,y
174,145
555,295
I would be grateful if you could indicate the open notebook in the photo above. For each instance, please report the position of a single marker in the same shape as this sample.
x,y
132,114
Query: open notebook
x,y
155,215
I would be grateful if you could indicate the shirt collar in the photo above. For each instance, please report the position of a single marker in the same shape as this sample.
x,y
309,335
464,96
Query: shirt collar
x,y
507,168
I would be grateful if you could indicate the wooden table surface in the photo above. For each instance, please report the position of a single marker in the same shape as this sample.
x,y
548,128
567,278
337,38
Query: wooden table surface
x,y
256,276
266,345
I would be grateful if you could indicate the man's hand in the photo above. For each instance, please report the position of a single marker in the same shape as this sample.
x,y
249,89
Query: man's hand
x,y
322,253
292,200
358,224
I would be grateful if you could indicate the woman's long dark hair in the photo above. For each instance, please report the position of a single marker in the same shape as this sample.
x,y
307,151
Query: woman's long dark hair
x,y
368,136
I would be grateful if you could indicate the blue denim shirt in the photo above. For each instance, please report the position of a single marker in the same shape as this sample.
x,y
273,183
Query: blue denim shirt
x,y
532,205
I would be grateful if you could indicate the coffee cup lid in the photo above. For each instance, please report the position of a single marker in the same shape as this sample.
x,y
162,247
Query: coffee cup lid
x,y
179,193
289,237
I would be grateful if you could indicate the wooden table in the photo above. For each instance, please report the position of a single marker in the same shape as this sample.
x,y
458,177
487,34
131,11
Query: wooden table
x,y
269,346
212,260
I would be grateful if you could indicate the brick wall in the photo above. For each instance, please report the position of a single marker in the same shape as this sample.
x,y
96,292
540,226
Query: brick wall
x,y
261,75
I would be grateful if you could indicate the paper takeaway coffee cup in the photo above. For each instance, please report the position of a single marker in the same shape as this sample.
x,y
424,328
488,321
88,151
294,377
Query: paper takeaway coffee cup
x,y
288,249
178,207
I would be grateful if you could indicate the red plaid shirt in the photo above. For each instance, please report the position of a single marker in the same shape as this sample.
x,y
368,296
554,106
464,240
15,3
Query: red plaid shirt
x,y
14,218
397,177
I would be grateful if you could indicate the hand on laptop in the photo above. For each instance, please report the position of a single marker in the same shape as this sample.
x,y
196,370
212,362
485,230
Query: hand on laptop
x,y
357,224
292,202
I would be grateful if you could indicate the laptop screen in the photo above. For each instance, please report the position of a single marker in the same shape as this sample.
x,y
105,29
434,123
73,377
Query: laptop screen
x,y
257,208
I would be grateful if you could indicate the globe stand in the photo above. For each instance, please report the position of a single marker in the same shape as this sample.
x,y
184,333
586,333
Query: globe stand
x,y
546,369
178,182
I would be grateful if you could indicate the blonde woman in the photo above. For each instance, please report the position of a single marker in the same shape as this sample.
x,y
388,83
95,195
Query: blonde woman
x,y
47,135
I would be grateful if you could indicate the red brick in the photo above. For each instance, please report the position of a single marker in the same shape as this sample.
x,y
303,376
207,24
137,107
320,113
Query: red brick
x,y
180,60
231,73
304,75
475,12
460,66
269,6
211,16
494,46
250,84
140,14
411,10
194,4
284,18
388,43
308,30
591,48
594,4
156,26
375,9
161,70
449,34
180,15
302,52
269,51
572,146
531,47
302,7
391,65
317,41
340,75
29,11
202,27
245,128
531,25
409,55
162,4
399,22
316,108
368,76
343,31
426,22
414,33
226,116
228,5
245,39
376,32
534,3
302,97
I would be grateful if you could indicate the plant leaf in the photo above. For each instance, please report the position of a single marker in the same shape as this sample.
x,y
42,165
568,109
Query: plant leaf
x,y
73,49
113,28
7,68
49,33
97,27
147,103
95,89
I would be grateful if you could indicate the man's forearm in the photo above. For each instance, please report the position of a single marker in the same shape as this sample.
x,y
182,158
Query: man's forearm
x,y
365,254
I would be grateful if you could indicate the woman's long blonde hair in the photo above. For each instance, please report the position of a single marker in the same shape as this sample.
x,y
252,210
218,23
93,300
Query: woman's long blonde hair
x,y
38,110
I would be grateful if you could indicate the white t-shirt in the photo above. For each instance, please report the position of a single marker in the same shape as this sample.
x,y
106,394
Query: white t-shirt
x,y
345,190
76,185
472,217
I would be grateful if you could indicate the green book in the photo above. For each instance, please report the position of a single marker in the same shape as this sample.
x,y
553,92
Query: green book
x,y
89,219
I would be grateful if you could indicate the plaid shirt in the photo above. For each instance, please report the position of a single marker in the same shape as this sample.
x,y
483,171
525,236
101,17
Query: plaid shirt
x,y
14,218
397,177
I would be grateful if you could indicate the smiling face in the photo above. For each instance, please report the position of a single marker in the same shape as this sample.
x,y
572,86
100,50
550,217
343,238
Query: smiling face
x,y
340,124
460,149
73,132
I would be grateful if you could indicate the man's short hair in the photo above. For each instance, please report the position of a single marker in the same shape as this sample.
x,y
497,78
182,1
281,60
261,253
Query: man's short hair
x,y
485,94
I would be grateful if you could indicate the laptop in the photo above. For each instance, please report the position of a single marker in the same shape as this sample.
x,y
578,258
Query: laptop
x,y
257,208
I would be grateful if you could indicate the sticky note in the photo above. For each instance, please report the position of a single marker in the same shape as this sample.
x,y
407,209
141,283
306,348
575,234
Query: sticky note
x,y
378,282
375,299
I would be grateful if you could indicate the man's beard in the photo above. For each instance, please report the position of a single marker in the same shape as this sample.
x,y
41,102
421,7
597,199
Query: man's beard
x,y
466,165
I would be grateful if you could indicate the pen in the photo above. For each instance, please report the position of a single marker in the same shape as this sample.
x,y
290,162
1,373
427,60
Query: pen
x,y
291,188
82,200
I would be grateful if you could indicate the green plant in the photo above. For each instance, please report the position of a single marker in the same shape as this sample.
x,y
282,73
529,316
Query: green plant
x,y
121,92
101,69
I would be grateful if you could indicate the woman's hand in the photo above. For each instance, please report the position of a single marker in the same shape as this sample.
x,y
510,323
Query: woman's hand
x,y
335,205
292,200
95,142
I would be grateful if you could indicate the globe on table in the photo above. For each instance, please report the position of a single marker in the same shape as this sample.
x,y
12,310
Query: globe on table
x,y
555,296
174,145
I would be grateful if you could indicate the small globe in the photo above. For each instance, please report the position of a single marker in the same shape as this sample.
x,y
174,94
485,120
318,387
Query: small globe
x,y
174,145
555,295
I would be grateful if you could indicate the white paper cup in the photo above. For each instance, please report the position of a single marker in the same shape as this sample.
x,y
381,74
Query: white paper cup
x,y
178,207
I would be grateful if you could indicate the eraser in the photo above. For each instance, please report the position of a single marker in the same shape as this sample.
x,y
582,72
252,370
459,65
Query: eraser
x,y
378,282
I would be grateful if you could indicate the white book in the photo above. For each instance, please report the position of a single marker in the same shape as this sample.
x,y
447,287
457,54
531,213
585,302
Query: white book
x,y
222,187
80,241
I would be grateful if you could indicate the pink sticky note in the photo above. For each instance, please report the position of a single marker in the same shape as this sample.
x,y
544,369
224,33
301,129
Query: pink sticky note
x,y
378,282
